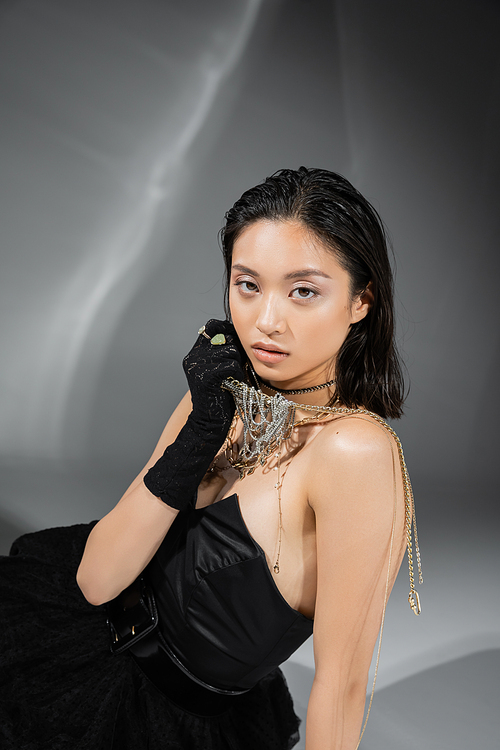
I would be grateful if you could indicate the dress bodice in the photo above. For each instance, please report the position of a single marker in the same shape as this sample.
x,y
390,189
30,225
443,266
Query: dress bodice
x,y
220,609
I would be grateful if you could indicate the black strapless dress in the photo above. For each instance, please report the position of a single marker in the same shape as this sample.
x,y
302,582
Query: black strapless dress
x,y
221,613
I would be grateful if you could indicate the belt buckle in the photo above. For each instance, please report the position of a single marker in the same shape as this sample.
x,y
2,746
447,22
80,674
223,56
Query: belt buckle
x,y
131,615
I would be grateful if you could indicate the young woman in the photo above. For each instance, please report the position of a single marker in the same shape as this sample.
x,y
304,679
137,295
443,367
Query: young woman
x,y
248,530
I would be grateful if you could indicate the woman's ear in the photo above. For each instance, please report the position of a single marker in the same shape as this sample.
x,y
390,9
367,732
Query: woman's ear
x,y
362,304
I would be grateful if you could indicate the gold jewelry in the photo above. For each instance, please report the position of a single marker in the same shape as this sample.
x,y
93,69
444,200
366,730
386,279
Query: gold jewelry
x,y
216,340
277,486
296,391
244,466
267,423
386,592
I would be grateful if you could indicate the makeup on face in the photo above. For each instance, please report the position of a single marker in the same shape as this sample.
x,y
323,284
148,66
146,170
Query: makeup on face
x,y
290,303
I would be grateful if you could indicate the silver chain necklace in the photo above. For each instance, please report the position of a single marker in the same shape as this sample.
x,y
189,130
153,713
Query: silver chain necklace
x,y
267,422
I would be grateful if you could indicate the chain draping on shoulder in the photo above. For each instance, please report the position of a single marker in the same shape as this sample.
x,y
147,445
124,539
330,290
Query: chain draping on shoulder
x,y
268,421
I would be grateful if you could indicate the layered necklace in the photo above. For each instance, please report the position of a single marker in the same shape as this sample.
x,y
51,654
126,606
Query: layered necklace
x,y
268,422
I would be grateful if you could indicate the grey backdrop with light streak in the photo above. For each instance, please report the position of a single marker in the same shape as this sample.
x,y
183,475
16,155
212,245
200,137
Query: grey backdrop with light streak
x,y
128,127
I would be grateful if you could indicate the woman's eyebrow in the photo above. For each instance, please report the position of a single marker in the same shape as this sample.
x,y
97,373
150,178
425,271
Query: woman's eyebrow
x,y
292,275
307,272
244,269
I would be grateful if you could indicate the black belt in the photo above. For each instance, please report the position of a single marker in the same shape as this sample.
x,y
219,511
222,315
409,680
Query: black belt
x,y
133,622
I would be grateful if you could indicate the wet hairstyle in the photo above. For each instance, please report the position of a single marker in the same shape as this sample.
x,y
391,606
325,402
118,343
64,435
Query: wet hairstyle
x,y
367,366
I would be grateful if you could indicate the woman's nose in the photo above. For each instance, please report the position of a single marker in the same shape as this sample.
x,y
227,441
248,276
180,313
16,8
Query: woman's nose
x,y
270,319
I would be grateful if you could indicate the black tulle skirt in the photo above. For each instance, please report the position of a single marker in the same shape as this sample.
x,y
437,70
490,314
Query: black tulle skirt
x,y
61,688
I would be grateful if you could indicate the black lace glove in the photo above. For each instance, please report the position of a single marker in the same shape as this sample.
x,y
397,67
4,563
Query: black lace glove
x,y
176,475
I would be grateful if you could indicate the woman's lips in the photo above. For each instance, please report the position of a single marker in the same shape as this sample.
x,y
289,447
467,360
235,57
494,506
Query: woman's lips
x,y
268,355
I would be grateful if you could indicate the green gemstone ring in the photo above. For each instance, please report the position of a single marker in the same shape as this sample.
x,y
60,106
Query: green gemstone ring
x,y
218,339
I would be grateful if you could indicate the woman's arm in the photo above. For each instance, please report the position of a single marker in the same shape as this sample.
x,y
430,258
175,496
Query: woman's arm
x,y
354,459
123,542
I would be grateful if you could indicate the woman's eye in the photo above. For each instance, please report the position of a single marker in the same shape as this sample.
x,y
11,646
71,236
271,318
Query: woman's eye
x,y
246,286
303,292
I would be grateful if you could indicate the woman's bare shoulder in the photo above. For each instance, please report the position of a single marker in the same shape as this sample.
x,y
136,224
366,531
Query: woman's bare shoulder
x,y
358,434
351,453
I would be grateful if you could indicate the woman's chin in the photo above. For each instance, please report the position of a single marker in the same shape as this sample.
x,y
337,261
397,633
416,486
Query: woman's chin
x,y
275,376
268,371
281,377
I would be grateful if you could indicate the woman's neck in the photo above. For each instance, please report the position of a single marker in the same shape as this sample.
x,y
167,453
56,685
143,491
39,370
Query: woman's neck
x,y
322,397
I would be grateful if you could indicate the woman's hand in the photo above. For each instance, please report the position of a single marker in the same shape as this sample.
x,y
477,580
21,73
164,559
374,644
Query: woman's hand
x,y
124,541
206,366
176,475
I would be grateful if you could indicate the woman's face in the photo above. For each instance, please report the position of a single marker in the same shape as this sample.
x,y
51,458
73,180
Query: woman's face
x,y
290,303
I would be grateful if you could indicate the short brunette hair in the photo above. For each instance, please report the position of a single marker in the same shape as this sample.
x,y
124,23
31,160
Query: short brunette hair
x,y
367,367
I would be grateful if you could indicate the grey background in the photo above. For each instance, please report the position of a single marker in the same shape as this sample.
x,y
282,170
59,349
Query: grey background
x,y
127,128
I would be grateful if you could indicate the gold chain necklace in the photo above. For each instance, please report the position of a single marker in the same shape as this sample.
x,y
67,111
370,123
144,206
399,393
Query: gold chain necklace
x,y
268,422
410,515
247,462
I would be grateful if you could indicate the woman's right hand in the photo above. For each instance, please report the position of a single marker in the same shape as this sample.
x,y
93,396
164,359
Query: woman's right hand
x,y
175,477
124,541
206,366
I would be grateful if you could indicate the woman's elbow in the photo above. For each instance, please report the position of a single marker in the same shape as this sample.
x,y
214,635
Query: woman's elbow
x,y
91,588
